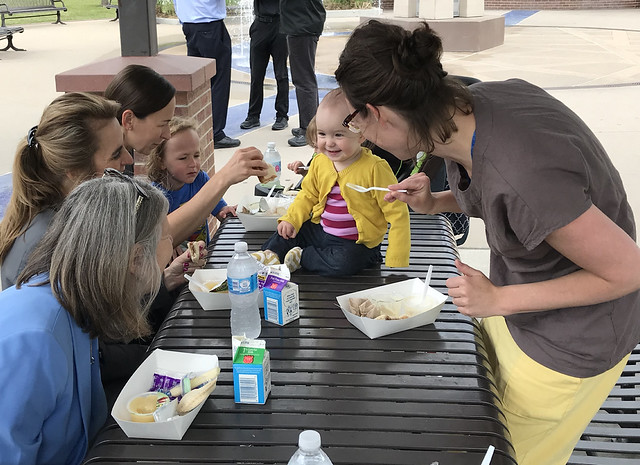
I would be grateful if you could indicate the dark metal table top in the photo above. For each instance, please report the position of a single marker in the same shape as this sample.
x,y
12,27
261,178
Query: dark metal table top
x,y
416,397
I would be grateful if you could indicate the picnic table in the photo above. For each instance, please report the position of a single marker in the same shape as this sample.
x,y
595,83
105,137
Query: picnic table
x,y
416,397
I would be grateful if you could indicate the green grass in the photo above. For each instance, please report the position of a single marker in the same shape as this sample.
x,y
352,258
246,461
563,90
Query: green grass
x,y
82,10
77,10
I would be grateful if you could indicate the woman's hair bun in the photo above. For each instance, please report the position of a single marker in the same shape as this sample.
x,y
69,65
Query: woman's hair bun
x,y
417,56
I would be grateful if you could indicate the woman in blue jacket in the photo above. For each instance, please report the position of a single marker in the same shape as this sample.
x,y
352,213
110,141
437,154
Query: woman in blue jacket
x,y
104,250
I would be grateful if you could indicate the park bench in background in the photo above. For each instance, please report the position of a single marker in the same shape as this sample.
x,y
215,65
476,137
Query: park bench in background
x,y
7,33
26,8
112,4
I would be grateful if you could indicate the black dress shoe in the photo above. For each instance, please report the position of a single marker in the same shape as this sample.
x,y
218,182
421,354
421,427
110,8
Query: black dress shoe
x,y
298,141
280,124
298,132
225,143
250,122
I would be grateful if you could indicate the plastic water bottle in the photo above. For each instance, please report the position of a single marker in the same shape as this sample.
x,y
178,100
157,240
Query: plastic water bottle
x,y
309,451
242,279
272,156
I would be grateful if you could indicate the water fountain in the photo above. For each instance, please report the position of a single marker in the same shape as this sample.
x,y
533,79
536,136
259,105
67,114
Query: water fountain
x,y
245,13
461,24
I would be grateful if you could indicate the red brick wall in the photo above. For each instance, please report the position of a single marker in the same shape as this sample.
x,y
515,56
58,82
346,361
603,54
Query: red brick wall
x,y
547,4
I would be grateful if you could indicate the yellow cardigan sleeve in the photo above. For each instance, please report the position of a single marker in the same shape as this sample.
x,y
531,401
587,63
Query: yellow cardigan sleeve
x,y
397,215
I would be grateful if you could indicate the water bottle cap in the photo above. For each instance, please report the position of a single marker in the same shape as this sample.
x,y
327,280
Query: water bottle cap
x,y
240,247
271,145
309,440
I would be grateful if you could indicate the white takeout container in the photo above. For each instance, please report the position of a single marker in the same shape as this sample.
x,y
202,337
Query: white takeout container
x,y
261,221
213,300
142,380
376,328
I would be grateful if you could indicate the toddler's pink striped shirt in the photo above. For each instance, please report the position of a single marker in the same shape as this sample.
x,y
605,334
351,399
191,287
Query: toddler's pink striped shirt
x,y
336,219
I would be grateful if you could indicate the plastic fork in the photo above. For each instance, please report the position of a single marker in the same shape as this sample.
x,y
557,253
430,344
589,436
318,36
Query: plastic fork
x,y
358,188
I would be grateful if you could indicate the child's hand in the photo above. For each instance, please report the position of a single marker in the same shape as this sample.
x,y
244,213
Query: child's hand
x,y
297,167
226,211
286,230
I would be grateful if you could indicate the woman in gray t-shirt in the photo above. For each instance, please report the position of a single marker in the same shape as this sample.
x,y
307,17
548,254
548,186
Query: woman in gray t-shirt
x,y
561,308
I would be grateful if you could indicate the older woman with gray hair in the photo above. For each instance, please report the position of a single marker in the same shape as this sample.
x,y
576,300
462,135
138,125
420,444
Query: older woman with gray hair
x,y
105,249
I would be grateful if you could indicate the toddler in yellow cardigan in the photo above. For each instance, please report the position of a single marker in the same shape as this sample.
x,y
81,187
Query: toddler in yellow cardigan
x,y
330,228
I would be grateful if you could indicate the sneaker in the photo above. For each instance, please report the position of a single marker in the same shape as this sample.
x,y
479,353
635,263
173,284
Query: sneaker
x,y
293,258
298,131
225,143
298,141
250,122
280,124
266,257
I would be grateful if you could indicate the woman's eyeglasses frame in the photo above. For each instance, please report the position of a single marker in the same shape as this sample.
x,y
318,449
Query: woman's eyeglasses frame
x,y
347,123
141,194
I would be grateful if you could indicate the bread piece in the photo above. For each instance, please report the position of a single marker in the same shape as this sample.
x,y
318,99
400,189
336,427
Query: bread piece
x,y
368,309
194,251
270,176
354,305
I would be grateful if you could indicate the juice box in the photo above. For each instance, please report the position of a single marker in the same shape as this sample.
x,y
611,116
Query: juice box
x,y
281,301
251,374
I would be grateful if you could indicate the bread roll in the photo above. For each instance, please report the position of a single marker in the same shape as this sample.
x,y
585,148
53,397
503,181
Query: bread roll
x,y
194,251
270,176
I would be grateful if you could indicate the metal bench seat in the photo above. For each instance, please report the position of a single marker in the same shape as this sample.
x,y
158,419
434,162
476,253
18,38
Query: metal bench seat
x,y
613,436
25,8
7,33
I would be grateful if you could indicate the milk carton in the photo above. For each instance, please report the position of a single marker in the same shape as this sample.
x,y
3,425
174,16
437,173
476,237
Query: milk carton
x,y
251,372
281,302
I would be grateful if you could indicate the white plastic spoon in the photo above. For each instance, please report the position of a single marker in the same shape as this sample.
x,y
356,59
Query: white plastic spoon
x,y
487,457
426,283
193,280
264,203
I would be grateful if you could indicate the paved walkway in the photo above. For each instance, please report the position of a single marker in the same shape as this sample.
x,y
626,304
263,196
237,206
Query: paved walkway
x,y
589,59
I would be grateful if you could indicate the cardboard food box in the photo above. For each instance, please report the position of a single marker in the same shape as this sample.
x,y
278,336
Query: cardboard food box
x,y
395,294
251,372
213,300
142,380
281,301
259,220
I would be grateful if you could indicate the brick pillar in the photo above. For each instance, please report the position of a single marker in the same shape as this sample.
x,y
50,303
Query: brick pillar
x,y
189,75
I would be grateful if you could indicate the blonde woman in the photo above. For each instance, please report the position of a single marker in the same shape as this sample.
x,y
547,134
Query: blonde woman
x,y
78,136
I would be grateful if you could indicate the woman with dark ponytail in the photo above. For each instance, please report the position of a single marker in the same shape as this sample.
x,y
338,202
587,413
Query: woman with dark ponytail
x,y
561,308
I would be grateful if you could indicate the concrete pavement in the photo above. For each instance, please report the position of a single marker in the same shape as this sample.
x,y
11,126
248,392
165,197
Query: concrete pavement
x,y
589,59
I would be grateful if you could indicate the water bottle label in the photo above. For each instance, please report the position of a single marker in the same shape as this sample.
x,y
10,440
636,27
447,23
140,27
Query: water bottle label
x,y
277,166
243,285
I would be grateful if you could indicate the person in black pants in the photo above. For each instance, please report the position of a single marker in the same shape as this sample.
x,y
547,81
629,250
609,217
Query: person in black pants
x,y
207,36
302,22
266,41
